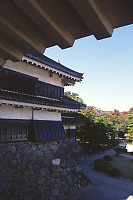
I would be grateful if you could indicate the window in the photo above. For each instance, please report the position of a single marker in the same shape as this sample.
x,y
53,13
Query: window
x,y
13,130
48,130
48,90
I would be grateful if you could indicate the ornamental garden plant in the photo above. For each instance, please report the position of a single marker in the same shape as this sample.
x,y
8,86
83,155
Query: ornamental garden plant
x,y
104,165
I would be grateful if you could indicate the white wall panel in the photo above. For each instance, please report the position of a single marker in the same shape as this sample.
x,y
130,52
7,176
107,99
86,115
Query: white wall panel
x,y
41,74
66,127
45,115
10,112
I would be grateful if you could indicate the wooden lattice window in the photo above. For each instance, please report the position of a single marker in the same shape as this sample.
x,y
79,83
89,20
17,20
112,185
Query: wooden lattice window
x,y
48,130
13,130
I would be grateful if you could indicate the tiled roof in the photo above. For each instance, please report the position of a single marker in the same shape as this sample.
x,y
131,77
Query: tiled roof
x,y
45,60
19,97
69,100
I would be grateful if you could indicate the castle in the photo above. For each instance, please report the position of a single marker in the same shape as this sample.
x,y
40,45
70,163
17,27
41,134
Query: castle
x,y
32,99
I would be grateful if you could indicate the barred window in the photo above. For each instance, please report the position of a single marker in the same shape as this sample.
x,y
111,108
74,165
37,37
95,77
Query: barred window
x,y
13,130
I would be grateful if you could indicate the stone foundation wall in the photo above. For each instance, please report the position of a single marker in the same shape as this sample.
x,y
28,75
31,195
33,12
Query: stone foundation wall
x,y
40,171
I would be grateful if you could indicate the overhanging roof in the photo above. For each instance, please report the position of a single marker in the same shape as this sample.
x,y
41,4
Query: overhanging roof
x,y
38,102
30,26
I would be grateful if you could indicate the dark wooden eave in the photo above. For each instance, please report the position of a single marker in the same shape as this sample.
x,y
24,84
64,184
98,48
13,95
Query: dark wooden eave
x,y
26,98
30,26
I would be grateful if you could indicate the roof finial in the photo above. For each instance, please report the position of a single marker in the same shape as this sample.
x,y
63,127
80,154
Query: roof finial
x,y
58,61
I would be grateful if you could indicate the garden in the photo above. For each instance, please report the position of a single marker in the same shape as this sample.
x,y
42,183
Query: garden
x,y
101,129
119,165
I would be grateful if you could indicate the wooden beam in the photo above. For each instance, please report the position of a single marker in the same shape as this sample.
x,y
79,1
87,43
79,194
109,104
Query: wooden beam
x,y
10,51
8,22
94,17
50,73
57,27
2,61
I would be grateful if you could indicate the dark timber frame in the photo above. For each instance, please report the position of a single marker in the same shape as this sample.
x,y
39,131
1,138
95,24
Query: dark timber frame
x,y
11,130
15,81
38,130
26,92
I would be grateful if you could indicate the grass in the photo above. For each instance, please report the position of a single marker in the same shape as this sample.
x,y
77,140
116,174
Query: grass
x,y
125,165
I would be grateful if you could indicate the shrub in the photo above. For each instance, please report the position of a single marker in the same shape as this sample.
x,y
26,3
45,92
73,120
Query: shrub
x,y
107,158
117,150
97,161
114,172
98,164
101,165
124,150
106,166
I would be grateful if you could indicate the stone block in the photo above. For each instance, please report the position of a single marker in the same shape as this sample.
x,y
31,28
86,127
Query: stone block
x,y
12,149
78,169
27,151
41,181
53,169
46,169
68,170
34,147
59,169
56,161
40,153
50,183
63,165
12,163
43,172
56,175
41,188
54,148
55,192
49,155
18,155
40,146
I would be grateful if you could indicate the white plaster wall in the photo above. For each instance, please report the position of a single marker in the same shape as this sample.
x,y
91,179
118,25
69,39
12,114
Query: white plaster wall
x,y
41,74
45,115
66,127
9,112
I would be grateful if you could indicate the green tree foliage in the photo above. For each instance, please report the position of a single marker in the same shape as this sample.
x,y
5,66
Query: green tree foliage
x,y
129,127
96,132
131,110
102,127
113,123
74,96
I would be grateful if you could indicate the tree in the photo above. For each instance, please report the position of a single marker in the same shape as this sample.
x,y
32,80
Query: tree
x,y
131,110
97,131
74,96
129,127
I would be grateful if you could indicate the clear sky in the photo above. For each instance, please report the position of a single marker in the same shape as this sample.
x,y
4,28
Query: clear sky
x,y
107,66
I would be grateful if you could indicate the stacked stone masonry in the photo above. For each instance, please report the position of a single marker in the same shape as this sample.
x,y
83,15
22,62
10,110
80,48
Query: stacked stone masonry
x,y
40,171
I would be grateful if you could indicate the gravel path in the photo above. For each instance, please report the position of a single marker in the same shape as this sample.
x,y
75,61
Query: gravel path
x,y
104,187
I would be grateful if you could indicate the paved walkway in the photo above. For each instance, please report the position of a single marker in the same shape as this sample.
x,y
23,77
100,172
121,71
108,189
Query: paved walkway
x,y
128,156
104,187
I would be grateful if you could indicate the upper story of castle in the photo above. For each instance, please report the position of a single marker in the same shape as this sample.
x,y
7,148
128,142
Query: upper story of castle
x,y
37,76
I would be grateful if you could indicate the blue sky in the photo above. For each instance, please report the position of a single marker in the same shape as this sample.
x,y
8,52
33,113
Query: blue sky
x,y
107,66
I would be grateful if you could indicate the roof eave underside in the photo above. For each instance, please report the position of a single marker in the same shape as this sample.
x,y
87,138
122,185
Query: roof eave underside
x,y
32,26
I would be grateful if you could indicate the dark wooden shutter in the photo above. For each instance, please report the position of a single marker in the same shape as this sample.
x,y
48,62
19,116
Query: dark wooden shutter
x,y
48,130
